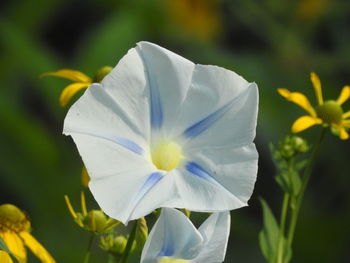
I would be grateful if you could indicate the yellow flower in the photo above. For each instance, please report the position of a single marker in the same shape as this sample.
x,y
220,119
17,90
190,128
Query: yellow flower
x,y
14,230
200,18
327,113
80,81
94,221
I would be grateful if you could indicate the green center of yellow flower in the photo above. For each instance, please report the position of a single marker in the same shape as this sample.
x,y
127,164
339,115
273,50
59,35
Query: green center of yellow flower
x,y
167,155
171,260
330,112
13,219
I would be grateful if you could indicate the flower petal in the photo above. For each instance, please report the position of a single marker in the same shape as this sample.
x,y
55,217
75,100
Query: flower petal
x,y
169,76
304,122
344,95
15,245
343,134
97,114
117,175
220,108
346,115
4,257
172,235
70,91
37,249
299,99
316,83
70,74
224,180
215,231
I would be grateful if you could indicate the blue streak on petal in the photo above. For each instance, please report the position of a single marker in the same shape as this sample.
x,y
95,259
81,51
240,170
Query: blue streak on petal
x,y
126,143
197,170
167,250
155,101
202,125
150,182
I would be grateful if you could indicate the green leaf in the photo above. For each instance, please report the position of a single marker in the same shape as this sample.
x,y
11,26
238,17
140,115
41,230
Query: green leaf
x,y
268,236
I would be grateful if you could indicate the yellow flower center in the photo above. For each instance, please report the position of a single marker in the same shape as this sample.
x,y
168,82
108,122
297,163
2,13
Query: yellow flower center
x,y
13,219
330,112
167,155
171,260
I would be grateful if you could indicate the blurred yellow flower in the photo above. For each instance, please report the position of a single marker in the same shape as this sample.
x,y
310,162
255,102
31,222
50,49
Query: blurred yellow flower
x,y
80,81
327,113
200,18
94,220
311,9
14,230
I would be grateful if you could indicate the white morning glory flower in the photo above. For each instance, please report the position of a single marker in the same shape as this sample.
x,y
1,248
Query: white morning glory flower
x,y
174,239
161,131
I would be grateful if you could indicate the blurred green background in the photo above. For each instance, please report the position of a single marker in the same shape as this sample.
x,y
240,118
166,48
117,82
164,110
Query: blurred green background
x,y
275,43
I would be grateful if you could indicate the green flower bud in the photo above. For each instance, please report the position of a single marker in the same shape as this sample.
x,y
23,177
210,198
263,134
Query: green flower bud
x,y
119,244
95,221
300,145
141,232
101,73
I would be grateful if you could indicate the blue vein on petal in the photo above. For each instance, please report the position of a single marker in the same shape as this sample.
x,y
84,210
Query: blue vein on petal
x,y
167,249
155,101
202,125
197,170
126,143
150,182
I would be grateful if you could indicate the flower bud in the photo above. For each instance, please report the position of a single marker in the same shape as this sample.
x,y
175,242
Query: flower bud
x,y
101,73
95,221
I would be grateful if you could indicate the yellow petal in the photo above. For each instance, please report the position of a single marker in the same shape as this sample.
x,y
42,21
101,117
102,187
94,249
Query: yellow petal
x,y
299,99
70,91
346,115
4,257
342,132
344,95
304,122
15,245
73,75
317,86
37,249
346,123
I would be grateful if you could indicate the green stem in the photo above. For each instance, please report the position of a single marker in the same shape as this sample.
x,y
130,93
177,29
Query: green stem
x,y
111,258
305,180
88,252
129,244
280,248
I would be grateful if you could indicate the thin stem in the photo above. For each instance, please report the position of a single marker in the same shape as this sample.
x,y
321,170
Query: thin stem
x,y
88,252
280,248
129,244
307,173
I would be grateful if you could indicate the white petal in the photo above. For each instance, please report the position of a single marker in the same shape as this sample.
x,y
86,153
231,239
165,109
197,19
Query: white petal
x,y
169,77
220,109
97,114
215,231
234,169
121,180
118,107
203,194
172,235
